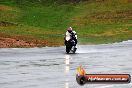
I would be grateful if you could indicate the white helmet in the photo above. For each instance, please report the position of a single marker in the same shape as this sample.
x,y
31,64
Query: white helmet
x,y
69,29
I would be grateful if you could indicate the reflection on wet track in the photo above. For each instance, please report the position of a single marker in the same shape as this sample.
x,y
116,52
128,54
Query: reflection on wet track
x,y
51,67
67,68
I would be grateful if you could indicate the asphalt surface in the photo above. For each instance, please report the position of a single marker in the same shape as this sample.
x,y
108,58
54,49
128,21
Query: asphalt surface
x,y
51,67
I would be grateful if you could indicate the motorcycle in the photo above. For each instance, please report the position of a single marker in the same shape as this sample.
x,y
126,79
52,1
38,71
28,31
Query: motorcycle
x,y
70,44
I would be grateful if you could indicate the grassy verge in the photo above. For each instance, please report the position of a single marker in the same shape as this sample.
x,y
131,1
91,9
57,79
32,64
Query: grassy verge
x,y
95,22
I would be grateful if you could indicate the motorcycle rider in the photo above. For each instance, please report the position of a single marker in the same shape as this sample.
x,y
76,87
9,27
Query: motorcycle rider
x,y
73,35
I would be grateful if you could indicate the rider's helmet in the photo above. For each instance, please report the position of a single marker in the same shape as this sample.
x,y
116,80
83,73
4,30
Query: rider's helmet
x,y
69,29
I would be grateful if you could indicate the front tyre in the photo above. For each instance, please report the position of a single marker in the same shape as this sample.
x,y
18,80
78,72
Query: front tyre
x,y
67,49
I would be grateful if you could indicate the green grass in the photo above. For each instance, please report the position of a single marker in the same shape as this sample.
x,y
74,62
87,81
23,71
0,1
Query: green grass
x,y
95,22
47,17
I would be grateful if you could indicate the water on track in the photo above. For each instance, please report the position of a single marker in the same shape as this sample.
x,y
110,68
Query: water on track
x,y
51,67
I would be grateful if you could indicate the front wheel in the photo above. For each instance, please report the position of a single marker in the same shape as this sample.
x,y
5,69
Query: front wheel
x,y
67,49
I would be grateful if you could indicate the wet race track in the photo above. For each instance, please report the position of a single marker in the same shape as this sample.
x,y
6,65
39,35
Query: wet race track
x,y
53,68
